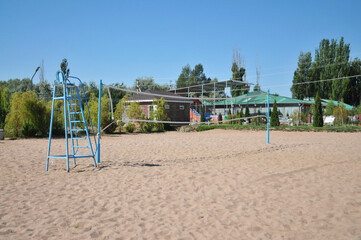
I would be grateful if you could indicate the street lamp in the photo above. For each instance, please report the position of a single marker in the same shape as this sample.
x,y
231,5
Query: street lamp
x,y
33,77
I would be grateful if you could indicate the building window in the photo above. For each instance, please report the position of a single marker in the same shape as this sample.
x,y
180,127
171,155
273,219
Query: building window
x,y
181,107
166,107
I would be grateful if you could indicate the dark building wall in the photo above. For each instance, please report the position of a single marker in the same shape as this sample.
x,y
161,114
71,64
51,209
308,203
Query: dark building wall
x,y
175,112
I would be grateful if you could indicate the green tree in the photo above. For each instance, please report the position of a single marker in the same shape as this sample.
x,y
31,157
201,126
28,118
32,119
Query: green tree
x,y
43,90
58,117
198,76
275,121
340,114
13,121
34,114
317,117
220,118
159,113
329,108
17,85
203,119
259,119
185,77
120,108
28,116
238,73
300,89
4,105
190,77
104,118
147,83
240,115
331,61
247,114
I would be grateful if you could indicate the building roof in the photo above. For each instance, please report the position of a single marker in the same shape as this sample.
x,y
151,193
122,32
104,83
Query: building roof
x,y
150,95
337,103
260,97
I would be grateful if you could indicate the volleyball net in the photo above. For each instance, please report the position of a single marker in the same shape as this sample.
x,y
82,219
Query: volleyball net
x,y
174,97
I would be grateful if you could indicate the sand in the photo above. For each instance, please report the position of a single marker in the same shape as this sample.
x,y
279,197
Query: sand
x,y
219,184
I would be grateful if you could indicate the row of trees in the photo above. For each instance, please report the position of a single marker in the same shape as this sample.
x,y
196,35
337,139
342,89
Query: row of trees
x,y
29,117
332,74
189,77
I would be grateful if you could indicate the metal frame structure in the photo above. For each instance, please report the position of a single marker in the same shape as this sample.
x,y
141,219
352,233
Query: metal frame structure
x,y
74,121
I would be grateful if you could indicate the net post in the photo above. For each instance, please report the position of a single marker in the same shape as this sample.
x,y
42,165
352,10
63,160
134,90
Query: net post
x,y
268,116
99,115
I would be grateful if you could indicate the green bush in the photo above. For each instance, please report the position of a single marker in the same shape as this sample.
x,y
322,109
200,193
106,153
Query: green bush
x,y
160,114
129,127
111,128
58,118
203,119
148,127
27,117
29,130
220,119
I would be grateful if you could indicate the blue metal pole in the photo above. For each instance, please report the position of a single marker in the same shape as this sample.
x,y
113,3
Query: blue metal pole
x,y
51,126
65,92
268,116
99,115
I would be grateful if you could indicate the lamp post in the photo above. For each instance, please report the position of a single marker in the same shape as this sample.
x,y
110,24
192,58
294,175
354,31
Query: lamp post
x,y
33,77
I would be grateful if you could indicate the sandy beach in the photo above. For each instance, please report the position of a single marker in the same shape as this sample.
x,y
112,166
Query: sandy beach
x,y
219,184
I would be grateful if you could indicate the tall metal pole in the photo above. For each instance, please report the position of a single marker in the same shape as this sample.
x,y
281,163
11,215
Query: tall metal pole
x,y
99,115
65,92
268,116
51,126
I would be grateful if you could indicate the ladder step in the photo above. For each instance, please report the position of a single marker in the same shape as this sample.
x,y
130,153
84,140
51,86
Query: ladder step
x,y
77,130
79,138
77,121
73,98
74,104
81,146
75,112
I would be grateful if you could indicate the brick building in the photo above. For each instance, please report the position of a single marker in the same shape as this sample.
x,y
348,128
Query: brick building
x,y
177,107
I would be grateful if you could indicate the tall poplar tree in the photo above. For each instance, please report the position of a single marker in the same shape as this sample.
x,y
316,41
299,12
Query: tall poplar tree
x,y
317,117
275,120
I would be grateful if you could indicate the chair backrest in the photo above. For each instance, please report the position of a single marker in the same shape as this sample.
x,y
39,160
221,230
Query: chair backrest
x,y
60,77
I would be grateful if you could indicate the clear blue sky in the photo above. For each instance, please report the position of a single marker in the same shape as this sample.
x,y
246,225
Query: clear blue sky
x,y
118,41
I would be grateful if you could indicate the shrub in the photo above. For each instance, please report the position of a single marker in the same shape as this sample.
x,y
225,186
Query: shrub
x,y
247,112
129,127
329,108
275,120
220,119
258,120
58,118
27,117
29,130
340,114
111,128
148,127
159,113
203,119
